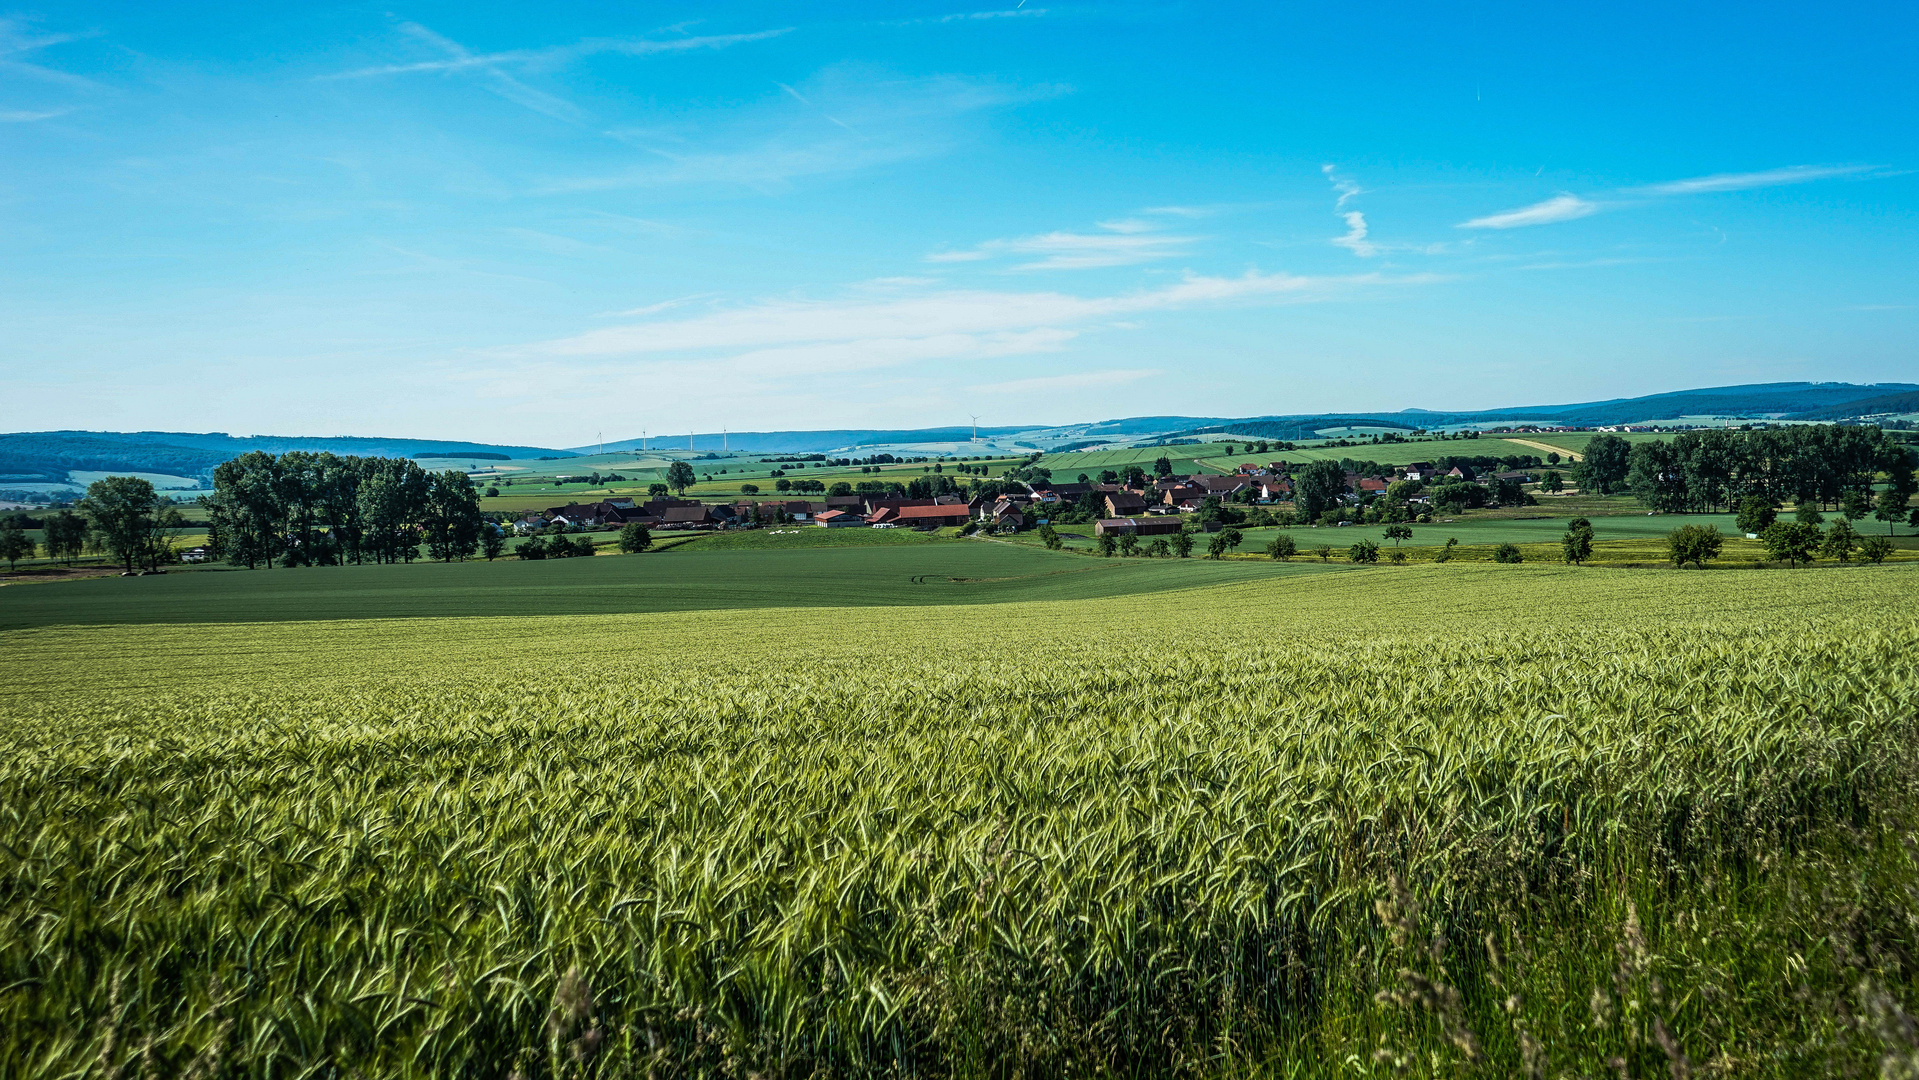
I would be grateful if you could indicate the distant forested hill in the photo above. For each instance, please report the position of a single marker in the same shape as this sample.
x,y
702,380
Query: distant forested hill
x,y
1891,403
50,455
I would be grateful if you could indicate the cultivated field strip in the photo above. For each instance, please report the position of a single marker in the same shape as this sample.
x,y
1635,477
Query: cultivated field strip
x,y
1140,834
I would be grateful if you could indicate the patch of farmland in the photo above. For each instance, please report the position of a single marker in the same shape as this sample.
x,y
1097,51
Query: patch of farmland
x,y
1277,824
902,573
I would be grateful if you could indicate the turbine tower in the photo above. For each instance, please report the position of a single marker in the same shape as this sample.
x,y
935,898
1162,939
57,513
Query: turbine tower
x,y
975,428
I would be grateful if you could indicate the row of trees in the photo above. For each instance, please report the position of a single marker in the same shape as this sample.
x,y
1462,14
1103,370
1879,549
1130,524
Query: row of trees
x,y
121,516
1707,471
317,509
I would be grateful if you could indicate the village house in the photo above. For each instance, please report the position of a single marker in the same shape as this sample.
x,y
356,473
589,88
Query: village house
x,y
895,502
688,517
839,519
1273,488
1125,504
1421,470
1223,486
929,517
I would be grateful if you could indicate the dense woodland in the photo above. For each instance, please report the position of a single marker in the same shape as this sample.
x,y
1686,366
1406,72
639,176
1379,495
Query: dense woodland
x,y
308,509
1830,466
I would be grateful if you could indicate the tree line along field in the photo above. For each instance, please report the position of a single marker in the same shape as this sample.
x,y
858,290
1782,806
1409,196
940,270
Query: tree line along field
x,y
1489,822
537,491
1639,537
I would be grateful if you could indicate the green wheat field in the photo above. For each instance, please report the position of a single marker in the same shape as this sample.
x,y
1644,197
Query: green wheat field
x,y
1442,820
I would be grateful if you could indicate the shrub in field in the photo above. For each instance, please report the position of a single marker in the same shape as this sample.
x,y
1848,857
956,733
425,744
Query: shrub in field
x,y
635,537
1695,544
1840,541
1577,545
1508,553
1363,552
1756,515
1793,541
1128,545
1875,549
1281,546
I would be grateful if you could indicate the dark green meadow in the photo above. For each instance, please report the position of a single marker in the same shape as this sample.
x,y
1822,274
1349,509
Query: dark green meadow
x,y
690,578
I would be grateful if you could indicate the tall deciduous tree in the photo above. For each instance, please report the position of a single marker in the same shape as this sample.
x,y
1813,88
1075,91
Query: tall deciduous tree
x,y
452,520
1318,487
66,536
15,544
1603,466
679,476
130,521
1577,544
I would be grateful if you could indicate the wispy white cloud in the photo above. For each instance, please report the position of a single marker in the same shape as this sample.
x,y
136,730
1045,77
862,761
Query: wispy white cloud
x,y
17,40
1796,174
1556,209
28,116
497,68
970,16
1567,207
1348,190
950,314
1081,380
1121,243
459,58
844,120
1009,13
1355,239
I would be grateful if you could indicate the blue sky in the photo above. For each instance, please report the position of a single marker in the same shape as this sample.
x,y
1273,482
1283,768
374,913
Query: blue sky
x,y
565,220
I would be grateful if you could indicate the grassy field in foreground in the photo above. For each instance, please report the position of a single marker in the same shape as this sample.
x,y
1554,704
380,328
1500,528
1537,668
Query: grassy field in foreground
x,y
915,571
1488,822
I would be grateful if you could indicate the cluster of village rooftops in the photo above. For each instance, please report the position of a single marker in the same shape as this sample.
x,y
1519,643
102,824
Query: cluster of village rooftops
x,y
1145,506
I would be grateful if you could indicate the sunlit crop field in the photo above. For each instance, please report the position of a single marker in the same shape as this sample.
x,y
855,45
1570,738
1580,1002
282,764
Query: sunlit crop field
x,y
1487,821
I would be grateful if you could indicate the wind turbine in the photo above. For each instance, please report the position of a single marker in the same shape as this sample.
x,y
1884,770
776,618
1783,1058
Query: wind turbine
x,y
975,428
